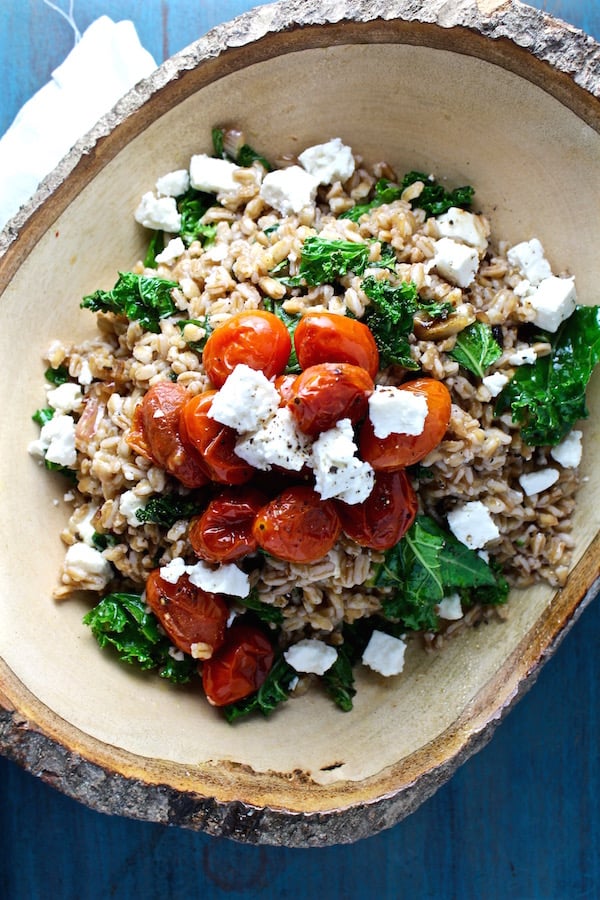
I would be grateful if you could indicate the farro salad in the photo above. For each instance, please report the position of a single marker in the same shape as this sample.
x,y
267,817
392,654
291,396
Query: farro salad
x,y
328,414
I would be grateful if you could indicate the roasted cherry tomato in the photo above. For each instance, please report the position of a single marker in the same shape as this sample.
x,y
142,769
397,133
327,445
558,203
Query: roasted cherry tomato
x,y
323,337
254,337
223,532
214,442
189,615
399,450
156,424
325,393
385,516
297,525
240,667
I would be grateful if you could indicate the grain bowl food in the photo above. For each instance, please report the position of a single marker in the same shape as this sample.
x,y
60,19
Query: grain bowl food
x,y
329,413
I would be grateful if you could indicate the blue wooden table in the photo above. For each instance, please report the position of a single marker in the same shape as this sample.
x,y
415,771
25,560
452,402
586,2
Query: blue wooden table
x,y
519,820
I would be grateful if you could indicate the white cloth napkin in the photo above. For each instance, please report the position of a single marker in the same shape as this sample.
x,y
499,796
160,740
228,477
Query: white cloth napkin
x,y
103,65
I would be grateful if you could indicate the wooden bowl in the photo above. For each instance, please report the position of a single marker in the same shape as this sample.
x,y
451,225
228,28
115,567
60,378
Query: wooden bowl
x,y
493,94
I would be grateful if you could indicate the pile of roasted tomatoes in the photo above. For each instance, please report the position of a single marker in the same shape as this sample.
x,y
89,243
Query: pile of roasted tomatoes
x,y
278,511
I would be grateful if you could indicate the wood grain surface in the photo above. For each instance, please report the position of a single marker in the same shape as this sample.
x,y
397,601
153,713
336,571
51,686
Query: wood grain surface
x,y
519,820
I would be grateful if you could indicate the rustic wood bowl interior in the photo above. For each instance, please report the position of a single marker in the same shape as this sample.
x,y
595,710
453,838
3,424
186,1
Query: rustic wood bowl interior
x,y
456,95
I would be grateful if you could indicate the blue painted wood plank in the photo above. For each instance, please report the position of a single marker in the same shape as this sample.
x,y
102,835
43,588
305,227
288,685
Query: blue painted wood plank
x,y
519,820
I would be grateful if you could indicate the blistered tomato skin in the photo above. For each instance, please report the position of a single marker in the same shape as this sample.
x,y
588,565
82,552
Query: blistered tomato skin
x,y
323,337
188,614
297,525
325,393
214,442
399,450
385,516
223,533
240,667
256,338
156,426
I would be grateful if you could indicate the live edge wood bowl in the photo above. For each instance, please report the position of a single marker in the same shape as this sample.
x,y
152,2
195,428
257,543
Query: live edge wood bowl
x,y
496,95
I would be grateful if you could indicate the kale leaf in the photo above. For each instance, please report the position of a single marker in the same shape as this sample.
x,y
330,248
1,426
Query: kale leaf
x,y
385,192
266,612
155,246
192,206
122,621
426,565
476,348
434,198
274,690
323,260
42,416
390,319
548,397
57,376
168,509
290,320
138,297
203,323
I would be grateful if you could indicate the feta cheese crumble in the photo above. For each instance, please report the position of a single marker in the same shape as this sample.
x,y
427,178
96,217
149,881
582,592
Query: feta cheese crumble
x,y
215,176
310,656
277,442
246,400
56,442
568,453
553,300
172,251
463,226
495,382
158,213
289,190
87,562
455,262
328,162
528,257
526,356
338,472
226,579
384,654
128,506
394,411
65,398
472,524
173,184
536,482
450,608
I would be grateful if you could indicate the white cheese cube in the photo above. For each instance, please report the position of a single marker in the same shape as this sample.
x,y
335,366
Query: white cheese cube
x,y
455,262
338,472
246,400
450,608
225,579
85,562
463,226
158,213
568,452
384,654
329,162
472,524
394,411
276,443
537,482
553,301
526,356
85,376
495,382
215,176
84,527
56,441
66,397
289,190
311,655
128,506
528,257
173,184
172,251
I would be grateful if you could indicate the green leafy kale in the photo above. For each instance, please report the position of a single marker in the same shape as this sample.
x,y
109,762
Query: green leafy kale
x,y
68,473
204,323
385,192
57,376
122,621
290,320
434,198
424,567
102,540
155,246
266,612
138,297
245,154
390,319
476,348
41,416
274,690
548,397
168,509
323,260
192,206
